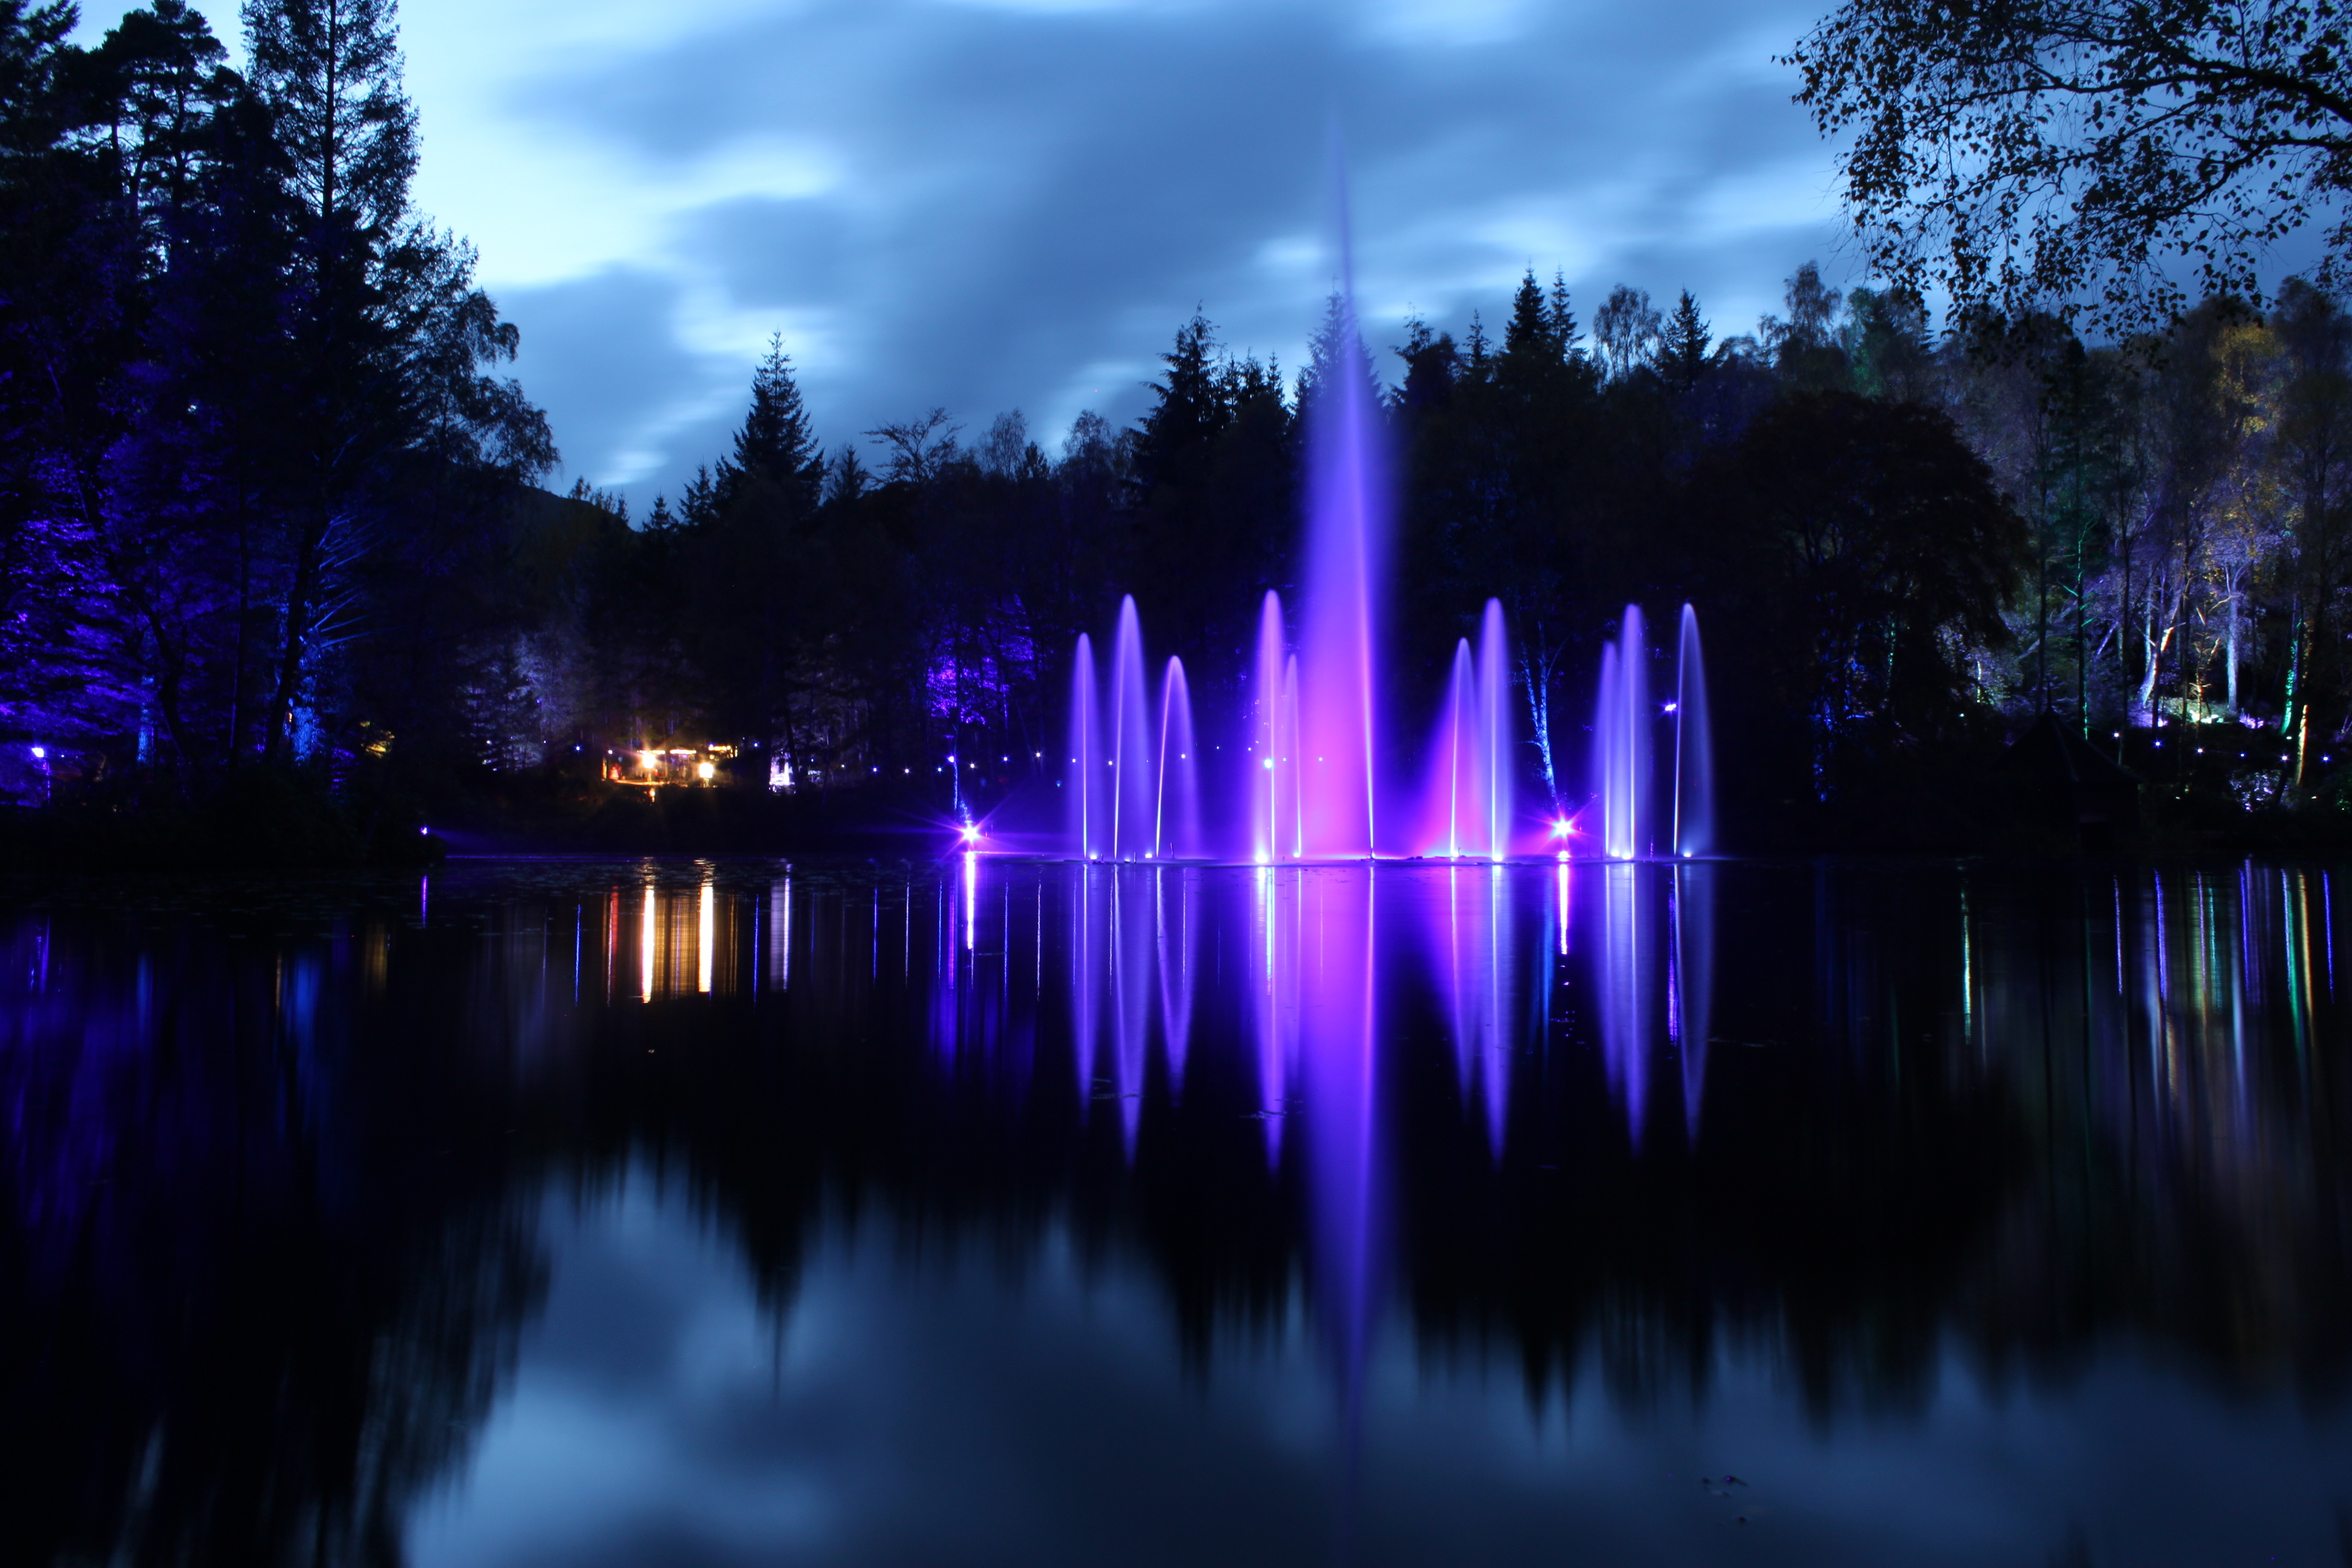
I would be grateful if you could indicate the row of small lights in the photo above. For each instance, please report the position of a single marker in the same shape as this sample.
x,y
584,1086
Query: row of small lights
x,y
2118,735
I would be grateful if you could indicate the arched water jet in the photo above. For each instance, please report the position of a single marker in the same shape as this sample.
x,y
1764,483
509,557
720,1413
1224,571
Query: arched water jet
x,y
1176,823
1456,786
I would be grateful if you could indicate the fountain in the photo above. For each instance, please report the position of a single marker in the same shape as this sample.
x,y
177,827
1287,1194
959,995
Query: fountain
x,y
1624,740
1307,786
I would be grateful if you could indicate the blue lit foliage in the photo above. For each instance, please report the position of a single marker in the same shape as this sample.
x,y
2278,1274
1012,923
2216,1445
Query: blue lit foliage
x,y
246,434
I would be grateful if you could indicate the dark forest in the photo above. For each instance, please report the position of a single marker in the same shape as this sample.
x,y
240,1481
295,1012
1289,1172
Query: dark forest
x,y
275,556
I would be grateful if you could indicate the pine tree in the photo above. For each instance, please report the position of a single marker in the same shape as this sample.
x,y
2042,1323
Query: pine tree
x,y
1684,356
1179,433
330,71
1560,318
776,445
698,504
1432,362
1528,336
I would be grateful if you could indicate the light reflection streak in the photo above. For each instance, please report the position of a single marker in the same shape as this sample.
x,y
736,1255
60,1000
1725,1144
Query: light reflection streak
x,y
1626,959
645,949
1561,877
1129,951
1177,956
1693,995
779,931
706,933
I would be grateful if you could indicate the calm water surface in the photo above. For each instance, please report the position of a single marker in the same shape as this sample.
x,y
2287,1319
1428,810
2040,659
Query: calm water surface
x,y
715,1213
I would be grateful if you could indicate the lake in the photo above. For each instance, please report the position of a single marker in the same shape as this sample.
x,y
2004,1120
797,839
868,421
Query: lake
x,y
986,1211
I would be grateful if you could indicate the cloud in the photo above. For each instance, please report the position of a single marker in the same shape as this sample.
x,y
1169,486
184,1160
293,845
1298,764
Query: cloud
x,y
602,357
992,204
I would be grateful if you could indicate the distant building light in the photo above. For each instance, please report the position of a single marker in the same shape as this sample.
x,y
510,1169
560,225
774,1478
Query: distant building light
x,y
705,771
41,751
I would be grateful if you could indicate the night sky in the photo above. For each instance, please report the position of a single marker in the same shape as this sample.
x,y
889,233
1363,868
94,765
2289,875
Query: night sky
x,y
995,206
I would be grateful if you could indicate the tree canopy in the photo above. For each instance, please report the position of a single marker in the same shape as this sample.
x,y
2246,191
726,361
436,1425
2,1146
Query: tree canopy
x,y
2014,154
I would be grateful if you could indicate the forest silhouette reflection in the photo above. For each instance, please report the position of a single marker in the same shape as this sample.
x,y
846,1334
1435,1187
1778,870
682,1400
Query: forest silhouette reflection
x,y
277,1223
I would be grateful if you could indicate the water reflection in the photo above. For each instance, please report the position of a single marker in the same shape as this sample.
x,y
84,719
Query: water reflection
x,y
274,1176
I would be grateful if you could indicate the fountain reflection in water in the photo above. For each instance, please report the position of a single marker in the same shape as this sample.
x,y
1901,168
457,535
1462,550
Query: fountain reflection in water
x,y
2168,1039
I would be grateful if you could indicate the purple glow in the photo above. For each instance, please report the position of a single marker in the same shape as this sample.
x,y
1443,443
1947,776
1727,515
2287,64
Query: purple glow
x,y
1347,531
1308,774
1339,1059
1495,729
1468,803
1268,737
1312,1044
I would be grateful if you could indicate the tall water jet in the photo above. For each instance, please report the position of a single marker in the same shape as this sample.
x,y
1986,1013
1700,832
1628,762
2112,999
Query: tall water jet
x,y
1345,533
1176,827
1620,733
1694,803
1291,803
1134,757
1495,730
1086,781
1263,784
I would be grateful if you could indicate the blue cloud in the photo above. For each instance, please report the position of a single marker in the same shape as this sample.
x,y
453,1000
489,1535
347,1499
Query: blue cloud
x,y
1021,204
